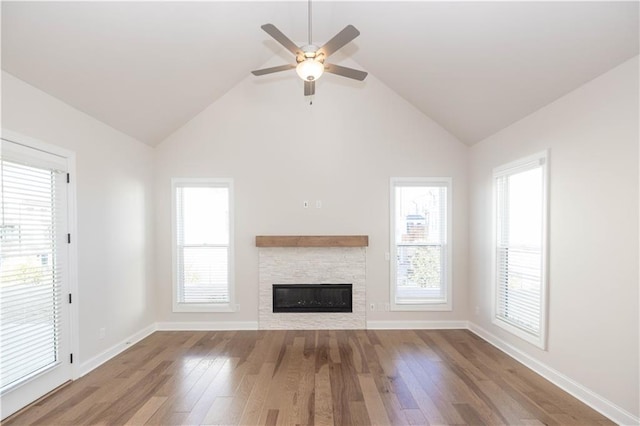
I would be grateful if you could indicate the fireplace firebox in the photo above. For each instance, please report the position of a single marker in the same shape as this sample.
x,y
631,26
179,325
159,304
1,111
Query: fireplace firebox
x,y
312,298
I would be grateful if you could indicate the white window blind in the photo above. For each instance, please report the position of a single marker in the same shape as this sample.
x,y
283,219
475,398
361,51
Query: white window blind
x,y
421,244
33,252
202,244
520,195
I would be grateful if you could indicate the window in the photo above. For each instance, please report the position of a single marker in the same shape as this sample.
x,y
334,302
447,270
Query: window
x,y
520,190
203,245
421,244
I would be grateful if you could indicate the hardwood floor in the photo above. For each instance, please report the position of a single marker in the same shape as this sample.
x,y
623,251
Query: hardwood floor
x,y
421,377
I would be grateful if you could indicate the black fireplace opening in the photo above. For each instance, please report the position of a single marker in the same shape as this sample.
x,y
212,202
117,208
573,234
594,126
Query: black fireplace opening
x,y
312,298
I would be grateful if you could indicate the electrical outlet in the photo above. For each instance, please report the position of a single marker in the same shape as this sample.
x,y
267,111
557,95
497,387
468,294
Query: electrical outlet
x,y
305,204
372,306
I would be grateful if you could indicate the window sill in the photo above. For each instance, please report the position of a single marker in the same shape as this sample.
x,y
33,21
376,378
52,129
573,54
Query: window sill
x,y
438,306
538,341
204,307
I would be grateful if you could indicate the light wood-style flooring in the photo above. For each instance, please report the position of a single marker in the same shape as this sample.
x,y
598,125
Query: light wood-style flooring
x,y
362,377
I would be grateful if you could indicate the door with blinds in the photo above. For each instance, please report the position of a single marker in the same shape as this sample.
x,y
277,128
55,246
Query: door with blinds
x,y
34,305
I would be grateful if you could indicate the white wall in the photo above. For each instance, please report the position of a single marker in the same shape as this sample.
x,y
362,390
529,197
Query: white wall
x,y
280,151
592,134
114,211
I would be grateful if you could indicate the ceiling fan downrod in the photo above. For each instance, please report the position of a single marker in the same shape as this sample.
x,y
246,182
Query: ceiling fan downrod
x,y
309,15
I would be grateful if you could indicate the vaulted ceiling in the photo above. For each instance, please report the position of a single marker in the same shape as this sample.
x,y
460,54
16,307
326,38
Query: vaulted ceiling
x,y
146,68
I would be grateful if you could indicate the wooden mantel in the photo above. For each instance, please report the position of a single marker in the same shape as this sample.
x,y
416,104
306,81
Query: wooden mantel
x,y
312,241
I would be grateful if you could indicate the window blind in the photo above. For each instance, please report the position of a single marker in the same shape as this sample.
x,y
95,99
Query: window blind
x,y
202,243
32,255
520,227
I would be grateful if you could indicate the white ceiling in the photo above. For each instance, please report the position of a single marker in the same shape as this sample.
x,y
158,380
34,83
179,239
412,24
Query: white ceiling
x,y
146,68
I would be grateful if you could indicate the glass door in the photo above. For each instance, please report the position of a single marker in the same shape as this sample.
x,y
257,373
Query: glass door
x,y
34,311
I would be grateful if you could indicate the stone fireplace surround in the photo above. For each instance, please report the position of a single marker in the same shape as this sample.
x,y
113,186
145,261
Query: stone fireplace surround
x,y
312,260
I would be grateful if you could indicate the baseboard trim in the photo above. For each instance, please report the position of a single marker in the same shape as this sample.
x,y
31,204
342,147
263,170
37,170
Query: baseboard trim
x,y
592,399
416,325
207,325
95,362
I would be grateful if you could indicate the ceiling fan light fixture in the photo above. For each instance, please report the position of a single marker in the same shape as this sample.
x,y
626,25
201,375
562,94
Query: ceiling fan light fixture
x,y
310,69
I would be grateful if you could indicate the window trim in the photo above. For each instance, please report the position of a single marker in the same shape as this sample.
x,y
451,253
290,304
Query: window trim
x,y
202,307
521,165
447,305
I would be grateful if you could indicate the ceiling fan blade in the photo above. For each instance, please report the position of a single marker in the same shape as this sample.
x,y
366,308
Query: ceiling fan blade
x,y
343,37
345,72
273,69
281,38
309,88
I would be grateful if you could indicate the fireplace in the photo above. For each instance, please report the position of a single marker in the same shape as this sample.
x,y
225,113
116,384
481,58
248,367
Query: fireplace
x,y
312,298
296,260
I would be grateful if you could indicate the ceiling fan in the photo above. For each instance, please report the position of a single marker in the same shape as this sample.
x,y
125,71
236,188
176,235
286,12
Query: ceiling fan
x,y
310,59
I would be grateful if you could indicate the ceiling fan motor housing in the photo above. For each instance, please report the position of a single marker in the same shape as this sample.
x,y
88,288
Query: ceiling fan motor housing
x,y
309,52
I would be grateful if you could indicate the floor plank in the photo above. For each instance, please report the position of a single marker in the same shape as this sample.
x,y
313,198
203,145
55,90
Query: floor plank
x,y
336,377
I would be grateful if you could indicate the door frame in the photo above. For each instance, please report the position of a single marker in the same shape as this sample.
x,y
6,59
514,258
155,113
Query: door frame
x,y
70,156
